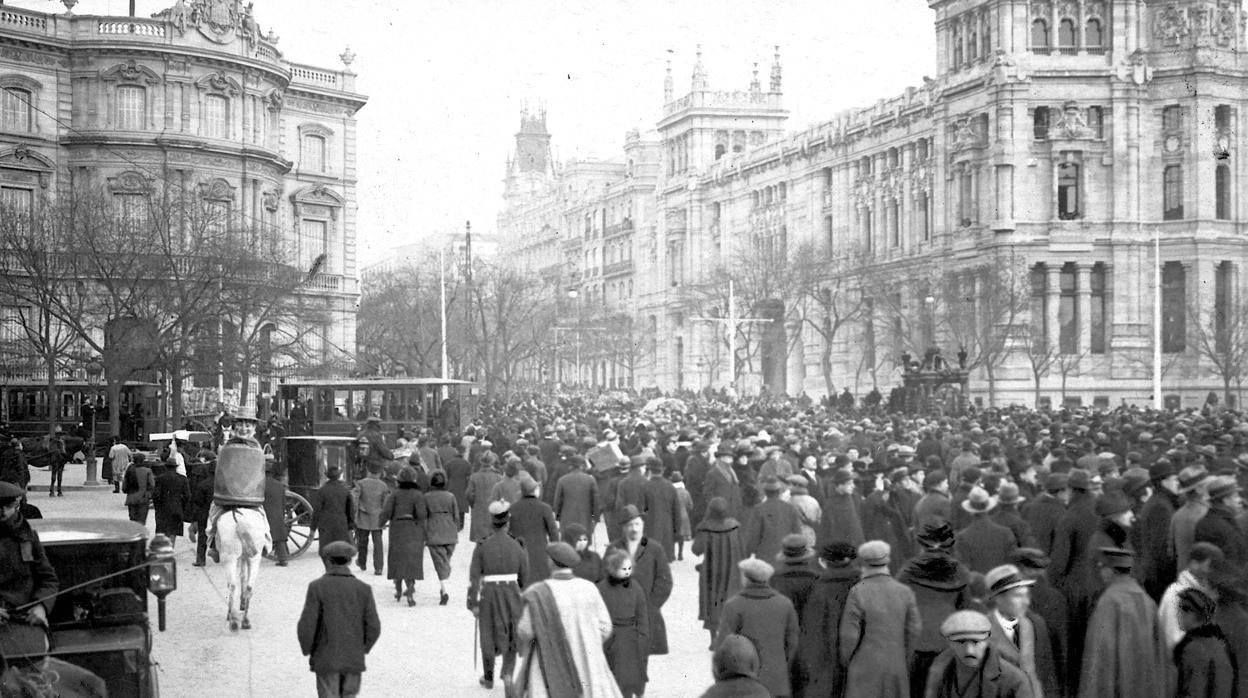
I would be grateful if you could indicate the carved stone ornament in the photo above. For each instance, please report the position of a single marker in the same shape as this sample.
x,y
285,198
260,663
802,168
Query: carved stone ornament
x,y
1171,25
1071,123
216,190
130,71
965,134
129,182
1135,69
1096,9
219,82
270,199
217,20
1224,25
275,99
1040,8
1068,8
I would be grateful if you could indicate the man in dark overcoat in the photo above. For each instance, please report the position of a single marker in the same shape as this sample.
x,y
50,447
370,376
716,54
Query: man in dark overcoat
x,y
984,543
1156,558
458,470
1125,649
170,499
650,569
533,523
1220,524
331,510
339,624
477,497
878,629
1073,565
721,481
696,468
767,618
819,643
498,571
576,498
275,511
661,509
379,454
197,511
769,523
1043,513
632,488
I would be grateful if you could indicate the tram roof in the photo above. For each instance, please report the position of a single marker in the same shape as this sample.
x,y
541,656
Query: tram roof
x,y
376,382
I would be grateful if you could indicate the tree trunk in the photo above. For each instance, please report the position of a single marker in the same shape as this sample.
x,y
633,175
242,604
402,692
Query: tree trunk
x,y
114,405
1036,398
175,392
992,384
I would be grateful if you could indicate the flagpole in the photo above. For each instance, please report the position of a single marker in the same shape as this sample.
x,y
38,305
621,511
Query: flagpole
x,y
1158,402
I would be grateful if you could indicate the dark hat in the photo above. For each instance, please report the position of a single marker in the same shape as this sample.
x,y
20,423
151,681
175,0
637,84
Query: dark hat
x,y
933,479
875,553
1117,558
1056,482
794,547
838,553
717,508
338,551
772,485
755,570
562,554
1134,481
972,474
528,485
724,449
1003,578
935,532
1080,479
841,477
628,513
10,491
1191,477
1029,557
638,460
333,472
1221,486
966,625
407,474
373,420
1160,470
736,657
1112,503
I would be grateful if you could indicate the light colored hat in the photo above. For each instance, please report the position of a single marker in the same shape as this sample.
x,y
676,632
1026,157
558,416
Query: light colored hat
x,y
755,570
1003,578
875,553
966,625
979,501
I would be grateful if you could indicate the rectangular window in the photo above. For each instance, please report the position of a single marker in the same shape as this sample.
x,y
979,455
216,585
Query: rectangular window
x,y
1040,123
1039,308
966,202
1172,118
922,218
894,224
15,109
313,156
1096,121
865,219
1222,117
1173,308
1172,193
216,116
314,242
131,210
131,108
828,233
1068,311
1068,191
11,331
1100,309
17,202
1222,192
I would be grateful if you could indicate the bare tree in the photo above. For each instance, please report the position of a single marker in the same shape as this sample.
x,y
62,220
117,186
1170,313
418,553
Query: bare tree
x,y
1040,355
833,291
510,324
1222,341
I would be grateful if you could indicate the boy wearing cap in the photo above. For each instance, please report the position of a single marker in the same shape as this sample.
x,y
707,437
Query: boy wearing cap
x,y
338,625
878,629
1124,654
1019,635
970,666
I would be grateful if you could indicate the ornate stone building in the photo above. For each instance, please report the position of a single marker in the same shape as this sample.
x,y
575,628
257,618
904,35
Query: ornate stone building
x,y
194,100
1061,143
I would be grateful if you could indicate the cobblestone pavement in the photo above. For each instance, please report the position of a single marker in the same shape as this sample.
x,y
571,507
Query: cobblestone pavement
x,y
423,651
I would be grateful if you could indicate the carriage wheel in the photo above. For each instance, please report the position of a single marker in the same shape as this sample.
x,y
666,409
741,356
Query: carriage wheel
x,y
299,533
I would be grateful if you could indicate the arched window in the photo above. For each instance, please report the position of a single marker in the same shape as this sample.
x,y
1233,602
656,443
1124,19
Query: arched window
x,y
1066,35
1093,34
1040,36
1222,190
1172,193
216,116
15,109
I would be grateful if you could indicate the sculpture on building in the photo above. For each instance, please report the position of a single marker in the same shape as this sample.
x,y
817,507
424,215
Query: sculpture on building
x,y
1071,122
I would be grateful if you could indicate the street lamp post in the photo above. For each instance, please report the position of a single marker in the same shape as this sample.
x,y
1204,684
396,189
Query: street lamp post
x,y
95,371
576,296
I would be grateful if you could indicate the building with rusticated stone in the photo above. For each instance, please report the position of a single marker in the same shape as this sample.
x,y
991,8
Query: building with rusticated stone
x,y
193,100
1078,156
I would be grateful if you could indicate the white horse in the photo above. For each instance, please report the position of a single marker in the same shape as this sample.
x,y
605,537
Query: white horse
x,y
242,537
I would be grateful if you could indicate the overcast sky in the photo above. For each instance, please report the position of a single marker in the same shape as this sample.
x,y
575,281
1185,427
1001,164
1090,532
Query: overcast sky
x,y
446,80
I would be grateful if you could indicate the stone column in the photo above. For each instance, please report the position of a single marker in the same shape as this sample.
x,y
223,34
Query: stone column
x,y
1083,285
1053,301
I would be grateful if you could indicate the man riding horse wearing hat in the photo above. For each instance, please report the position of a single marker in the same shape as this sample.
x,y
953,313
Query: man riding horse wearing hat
x,y
240,469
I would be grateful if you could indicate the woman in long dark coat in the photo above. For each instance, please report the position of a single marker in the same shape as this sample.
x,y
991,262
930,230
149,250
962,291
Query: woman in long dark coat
x,y
533,522
627,648
171,497
717,540
820,640
442,529
405,510
590,566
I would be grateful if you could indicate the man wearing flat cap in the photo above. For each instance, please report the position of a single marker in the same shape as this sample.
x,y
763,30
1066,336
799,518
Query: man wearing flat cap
x,y
561,632
1019,635
1125,653
339,624
971,666
766,617
498,571
651,571
878,628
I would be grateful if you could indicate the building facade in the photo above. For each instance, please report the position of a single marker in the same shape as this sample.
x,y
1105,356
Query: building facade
x,y
1089,146
193,100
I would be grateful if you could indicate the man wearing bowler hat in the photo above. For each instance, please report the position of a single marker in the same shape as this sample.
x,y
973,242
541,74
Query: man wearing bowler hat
x,y
971,666
651,571
1019,635
339,624
1125,653
1153,529
1193,489
842,513
721,480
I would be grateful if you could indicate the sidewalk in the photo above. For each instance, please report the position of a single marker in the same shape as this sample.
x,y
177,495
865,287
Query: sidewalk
x,y
73,479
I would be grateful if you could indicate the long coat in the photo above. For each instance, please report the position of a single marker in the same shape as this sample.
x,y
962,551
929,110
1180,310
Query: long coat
x,y
457,473
171,498
999,678
576,499
339,623
984,544
1043,514
573,611
478,499
275,508
1073,572
1205,667
1219,526
369,495
932,504
630,640
842,520
444,523
941,585
1033,653
878,631
882,519
721,481
766,526
331,513
406,512
652,571
767,618
820,630
1125,653
795,579
533,523
662,512
719,545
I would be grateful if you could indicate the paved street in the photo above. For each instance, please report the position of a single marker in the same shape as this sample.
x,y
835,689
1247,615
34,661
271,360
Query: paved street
x,y
426,650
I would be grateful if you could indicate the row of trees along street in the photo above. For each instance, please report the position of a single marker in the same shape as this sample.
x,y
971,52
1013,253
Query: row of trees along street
x,y
164,284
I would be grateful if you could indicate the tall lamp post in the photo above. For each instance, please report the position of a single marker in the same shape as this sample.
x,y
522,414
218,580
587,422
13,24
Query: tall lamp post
x,y
95,371
576,296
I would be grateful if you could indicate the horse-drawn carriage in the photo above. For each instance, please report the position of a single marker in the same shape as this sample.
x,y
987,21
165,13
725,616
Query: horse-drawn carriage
x,y
306,458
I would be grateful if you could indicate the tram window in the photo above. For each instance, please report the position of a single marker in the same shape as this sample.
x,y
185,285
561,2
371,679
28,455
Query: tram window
x,y
415,408
376,404
358,405
69,405
394,406
342,405
325,405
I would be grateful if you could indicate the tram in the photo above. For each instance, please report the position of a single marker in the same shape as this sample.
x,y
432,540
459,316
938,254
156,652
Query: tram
x,y
337,406
25,407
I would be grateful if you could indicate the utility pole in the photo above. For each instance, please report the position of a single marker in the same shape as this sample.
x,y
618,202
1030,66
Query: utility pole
x,y
442,294
468,296
732,321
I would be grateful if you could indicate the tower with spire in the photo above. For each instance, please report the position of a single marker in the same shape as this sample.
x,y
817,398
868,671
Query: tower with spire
x,y
706,125
531,168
